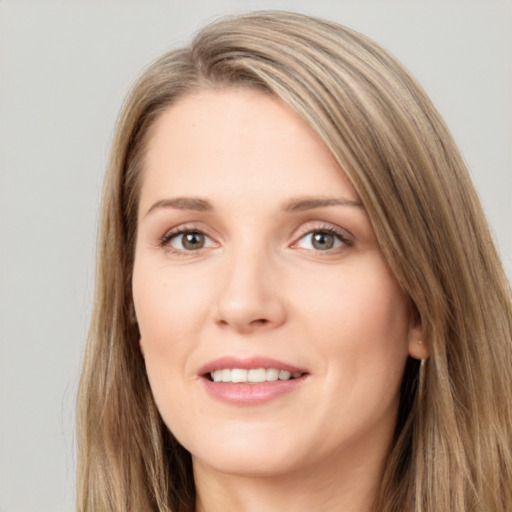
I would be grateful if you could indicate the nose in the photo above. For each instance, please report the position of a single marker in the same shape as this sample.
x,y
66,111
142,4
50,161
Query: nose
x,y
249,298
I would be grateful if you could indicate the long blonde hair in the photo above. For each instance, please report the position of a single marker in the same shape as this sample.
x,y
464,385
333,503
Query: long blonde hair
x,y
453,445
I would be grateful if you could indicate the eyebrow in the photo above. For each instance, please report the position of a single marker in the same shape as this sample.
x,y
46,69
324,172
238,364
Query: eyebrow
x,y
183,203
309,203
295,205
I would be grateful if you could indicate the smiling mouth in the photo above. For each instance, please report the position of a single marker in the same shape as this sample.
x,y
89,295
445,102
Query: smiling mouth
x,y
252,376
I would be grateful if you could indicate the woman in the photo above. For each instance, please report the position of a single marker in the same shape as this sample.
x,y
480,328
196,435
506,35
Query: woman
x,y
298,304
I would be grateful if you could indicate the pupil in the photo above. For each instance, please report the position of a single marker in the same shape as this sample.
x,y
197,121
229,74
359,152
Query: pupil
x,y
323,241
193,240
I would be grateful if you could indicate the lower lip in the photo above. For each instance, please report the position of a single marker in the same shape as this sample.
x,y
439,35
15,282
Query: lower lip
x,y
251,394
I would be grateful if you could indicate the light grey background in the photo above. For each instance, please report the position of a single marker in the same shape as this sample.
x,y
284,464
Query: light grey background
x,y
64,69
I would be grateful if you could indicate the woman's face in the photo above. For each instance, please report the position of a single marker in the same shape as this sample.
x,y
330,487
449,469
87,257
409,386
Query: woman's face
x,y
255,261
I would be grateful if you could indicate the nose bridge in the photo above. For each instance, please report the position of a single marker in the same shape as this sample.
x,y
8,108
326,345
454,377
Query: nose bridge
x,y
248,296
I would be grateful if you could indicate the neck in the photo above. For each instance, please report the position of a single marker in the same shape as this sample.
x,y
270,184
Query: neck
x,y
351,489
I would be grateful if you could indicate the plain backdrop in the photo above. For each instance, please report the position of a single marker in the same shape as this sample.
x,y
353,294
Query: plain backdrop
x,y
64,70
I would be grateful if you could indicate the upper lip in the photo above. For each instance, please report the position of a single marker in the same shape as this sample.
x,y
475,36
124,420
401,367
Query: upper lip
x,y
248,363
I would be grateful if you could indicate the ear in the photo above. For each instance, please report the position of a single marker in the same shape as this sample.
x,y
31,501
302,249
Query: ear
x,y
418,348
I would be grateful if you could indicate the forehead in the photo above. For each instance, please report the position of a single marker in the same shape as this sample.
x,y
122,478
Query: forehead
x,y
232,140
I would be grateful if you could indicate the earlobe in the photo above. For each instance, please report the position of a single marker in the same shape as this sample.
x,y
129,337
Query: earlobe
x,y
418,349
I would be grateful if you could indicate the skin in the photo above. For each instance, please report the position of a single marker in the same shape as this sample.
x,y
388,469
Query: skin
x,y
259,287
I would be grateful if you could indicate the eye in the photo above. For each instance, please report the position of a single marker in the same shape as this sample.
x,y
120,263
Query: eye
x,y
187,241
321,240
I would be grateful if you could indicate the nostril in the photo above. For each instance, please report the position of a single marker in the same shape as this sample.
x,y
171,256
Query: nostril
x,y
260,321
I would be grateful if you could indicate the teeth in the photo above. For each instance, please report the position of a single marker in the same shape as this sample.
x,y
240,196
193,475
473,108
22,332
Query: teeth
x,y
252,376
259,375
284,375
272,374
238,375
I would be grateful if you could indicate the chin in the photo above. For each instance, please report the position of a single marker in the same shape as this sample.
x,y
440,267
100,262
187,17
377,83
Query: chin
x,y
246,455
246,466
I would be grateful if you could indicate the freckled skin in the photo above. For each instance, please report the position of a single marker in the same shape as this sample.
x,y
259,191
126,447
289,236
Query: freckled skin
x,y
259,287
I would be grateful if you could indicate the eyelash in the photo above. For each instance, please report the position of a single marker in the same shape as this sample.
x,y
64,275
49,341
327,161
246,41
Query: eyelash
x,y
165,241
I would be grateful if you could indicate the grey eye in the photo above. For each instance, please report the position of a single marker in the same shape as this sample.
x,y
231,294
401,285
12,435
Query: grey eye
x,y
320,241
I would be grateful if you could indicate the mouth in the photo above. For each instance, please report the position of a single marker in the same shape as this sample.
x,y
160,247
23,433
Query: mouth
x,y
251,376
250,381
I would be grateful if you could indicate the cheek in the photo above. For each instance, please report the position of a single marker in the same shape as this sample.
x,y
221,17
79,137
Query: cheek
x,y
359,321
161,317
168,306
166,327
171,310
358,327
